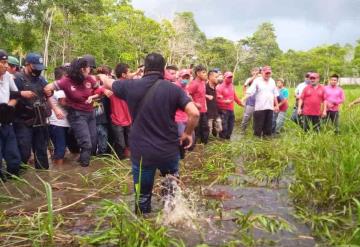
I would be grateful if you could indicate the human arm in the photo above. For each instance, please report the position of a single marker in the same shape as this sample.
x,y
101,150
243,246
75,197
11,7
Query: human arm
x,y
237,100
300,104
209,97
193,119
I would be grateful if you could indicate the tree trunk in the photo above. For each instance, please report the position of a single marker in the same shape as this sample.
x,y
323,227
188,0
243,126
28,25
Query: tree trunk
x,y
48,19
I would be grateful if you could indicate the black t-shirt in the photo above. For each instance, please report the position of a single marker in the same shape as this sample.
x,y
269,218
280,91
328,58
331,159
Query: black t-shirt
x,y
154,135
212,109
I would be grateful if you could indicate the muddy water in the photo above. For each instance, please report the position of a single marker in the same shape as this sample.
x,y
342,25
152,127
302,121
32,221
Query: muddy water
x,y
215,224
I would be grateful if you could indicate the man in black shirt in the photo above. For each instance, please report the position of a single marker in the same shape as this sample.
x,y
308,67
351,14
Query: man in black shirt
x,y
154,140
214,120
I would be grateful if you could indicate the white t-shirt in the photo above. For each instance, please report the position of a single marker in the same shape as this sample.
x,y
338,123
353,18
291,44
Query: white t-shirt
x,y
265,92
7,84
300,88
53,119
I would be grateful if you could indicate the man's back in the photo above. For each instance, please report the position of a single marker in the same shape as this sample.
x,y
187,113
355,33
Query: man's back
x,y
154,136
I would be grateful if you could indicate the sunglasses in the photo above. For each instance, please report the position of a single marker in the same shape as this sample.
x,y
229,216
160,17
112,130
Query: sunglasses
x,y
312,78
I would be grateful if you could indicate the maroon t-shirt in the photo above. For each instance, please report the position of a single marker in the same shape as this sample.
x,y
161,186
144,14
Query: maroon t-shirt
x,y
76,95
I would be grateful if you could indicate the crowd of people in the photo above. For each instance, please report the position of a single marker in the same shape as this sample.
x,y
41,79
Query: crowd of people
x,y
150,116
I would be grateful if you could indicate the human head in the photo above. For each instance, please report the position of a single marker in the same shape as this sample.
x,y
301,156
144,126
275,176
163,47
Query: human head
x,y
91,61
334,79
79,69
13,65
213,76
154,62
228,77
184,76
314,78
59,72
255,71
34,64
200,72
103,69
307,77
3,62
171,71
280,83
122,71
266,72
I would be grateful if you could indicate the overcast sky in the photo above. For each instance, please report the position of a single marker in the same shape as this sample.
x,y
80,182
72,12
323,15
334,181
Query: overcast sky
x,y
299,24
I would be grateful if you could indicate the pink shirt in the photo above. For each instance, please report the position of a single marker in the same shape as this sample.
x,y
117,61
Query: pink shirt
x,y
197,90
312,100
334,96
180,116
224,92
76,95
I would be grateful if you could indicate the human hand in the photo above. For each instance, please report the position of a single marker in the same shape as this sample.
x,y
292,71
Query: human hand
x,y
323,114
59,113
28,94
108,93
299,111
186,139
89,100
276,109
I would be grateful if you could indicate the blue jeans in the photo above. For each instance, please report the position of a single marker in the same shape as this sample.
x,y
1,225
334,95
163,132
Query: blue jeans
x,y
35,139
83,125
227,120
58,138
143,205
9,150
278,121
102,138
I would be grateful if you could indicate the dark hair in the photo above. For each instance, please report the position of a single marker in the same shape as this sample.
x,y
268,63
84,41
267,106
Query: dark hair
x,y
212,72
172,67
74,72
199,68
141,66
103,69
59,72
120,69
335,76
154,62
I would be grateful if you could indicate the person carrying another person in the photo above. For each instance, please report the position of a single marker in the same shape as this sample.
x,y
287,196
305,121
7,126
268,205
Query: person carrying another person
x,y
32,111
250,102
79,88
225,97
312,104
265,91
8,145
214,120
197,90
280,117
334,97
154,139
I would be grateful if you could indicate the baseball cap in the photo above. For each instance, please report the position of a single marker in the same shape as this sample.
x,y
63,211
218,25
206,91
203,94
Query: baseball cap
x,y
3,55
228,74
266,69
90,60
36,60
13,61
184,72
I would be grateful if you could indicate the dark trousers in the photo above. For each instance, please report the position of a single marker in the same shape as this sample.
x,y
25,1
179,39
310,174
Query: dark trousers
x,y
102,138
83,125
227,121
35,139
58,137
71,142
311,122
120,139
9,150
263,122
333,116
146,181
202,130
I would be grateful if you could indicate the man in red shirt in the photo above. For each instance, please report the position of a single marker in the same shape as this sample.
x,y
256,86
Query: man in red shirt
x,y
312,103
197,90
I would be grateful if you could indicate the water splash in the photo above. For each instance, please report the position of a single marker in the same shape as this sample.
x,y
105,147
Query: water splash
x,y
179,204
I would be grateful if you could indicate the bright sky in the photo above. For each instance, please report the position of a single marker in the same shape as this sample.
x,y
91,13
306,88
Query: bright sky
x,y
299,24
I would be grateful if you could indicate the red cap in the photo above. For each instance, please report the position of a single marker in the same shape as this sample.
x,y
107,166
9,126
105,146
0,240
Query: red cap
x,y
228,74
266,69
184,72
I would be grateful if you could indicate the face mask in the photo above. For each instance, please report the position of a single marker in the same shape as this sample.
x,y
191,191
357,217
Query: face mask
x,y
35,73
184,82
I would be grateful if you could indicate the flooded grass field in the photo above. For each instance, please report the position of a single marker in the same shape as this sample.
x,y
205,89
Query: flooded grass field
x,y
293,190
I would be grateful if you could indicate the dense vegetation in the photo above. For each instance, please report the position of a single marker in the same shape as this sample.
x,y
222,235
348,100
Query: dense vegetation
x,y
114,31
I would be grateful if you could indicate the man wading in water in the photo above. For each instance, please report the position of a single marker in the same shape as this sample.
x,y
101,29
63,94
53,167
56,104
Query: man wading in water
x,y
154,140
